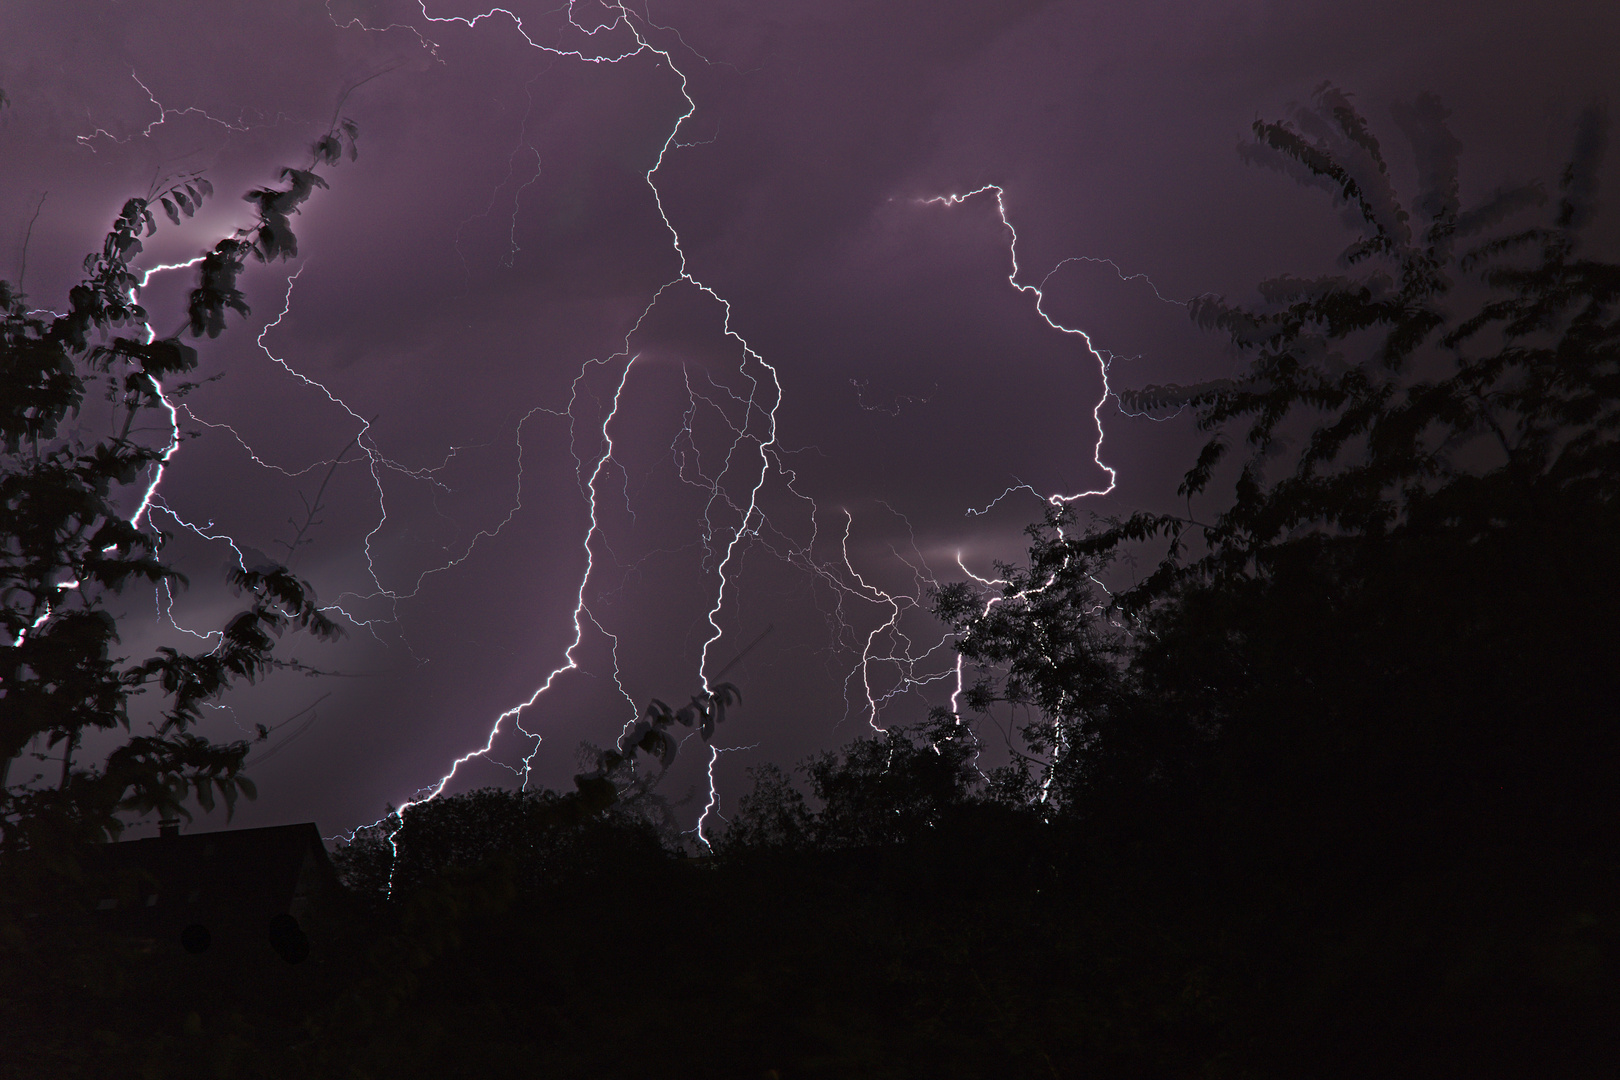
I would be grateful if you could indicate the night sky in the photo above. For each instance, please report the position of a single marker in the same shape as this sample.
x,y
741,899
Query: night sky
x,y
845,374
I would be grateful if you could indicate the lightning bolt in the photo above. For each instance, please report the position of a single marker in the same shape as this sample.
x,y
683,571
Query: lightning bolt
x,y
713,805
1037,291
892,658
764,397
164,112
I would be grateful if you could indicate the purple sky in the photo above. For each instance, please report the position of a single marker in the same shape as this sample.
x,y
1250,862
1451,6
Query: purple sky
x,y
473,280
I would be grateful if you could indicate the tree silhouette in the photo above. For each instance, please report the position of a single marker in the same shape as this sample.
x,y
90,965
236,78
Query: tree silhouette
x,y
69,540
1358,721
1428,470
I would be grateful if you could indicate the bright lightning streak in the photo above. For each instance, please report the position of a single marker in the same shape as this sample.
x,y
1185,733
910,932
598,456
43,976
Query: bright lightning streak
x,y
40,621
581,613
157,386
569,662
713,805
753,453
149,494
1040,309
763,443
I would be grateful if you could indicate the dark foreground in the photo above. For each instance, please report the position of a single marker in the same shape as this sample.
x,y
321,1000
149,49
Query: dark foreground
x,y
999,946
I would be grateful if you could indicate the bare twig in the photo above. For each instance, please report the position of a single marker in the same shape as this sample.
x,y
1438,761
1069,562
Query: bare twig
x,y
313,508
22,268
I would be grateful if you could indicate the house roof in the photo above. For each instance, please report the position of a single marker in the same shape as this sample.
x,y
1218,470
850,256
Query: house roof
x,y
233,877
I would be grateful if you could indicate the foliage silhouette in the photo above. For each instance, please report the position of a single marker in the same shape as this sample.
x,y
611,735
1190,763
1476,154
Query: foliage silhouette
x,y
1362,709
872,793
541,834
1417,428
538,837
69,539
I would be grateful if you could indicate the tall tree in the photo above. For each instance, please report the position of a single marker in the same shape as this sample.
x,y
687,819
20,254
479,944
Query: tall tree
x,y
1352,740
72,535
1407,572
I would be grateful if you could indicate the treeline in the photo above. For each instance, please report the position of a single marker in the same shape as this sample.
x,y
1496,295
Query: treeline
x,y
873,792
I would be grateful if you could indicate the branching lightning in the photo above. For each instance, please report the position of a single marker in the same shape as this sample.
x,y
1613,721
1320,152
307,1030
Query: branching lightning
x,y
762,443
890,660
1055,499
164,113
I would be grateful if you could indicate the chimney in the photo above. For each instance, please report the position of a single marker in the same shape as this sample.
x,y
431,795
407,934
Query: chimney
x,y
168,827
